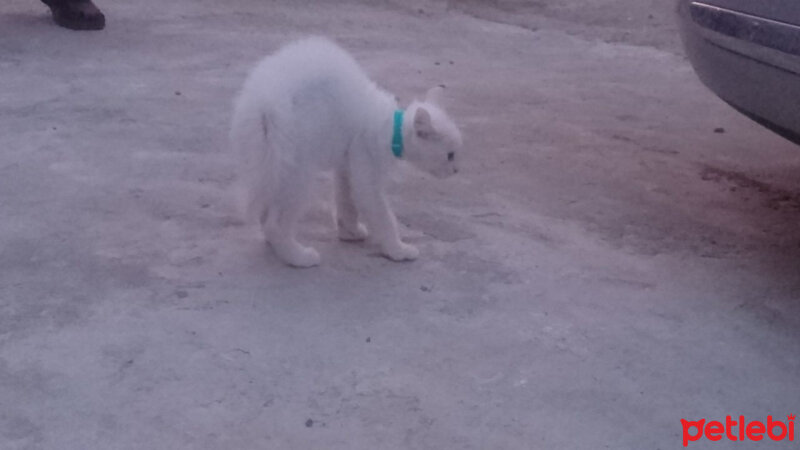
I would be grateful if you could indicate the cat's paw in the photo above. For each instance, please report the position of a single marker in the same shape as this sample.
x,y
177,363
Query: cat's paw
x,y
401,252
307,258
357,233
300,256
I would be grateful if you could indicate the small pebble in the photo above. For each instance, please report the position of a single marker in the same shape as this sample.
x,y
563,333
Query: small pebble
x,y
719,130
309,423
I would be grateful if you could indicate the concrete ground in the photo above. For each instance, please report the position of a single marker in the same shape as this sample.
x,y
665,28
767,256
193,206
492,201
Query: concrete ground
x,y
619,252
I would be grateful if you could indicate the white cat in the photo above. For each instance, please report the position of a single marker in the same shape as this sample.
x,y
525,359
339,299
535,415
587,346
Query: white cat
x,y
309,107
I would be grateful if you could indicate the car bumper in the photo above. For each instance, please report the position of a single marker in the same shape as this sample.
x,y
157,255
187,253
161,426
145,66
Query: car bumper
x,y
750,61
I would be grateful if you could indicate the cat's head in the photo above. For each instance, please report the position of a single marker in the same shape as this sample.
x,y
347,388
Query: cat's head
x,y
433,141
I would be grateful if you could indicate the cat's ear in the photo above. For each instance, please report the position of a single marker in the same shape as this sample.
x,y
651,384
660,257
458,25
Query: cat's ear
x,y
422,123
435,95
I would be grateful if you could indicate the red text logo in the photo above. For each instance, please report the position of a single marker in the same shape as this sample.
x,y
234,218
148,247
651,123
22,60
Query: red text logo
x,y
738,430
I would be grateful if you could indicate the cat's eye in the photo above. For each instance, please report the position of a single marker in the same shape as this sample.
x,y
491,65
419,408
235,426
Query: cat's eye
x,y
451,156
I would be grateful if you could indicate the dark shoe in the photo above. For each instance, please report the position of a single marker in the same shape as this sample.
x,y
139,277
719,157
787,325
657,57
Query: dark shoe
x,y
77,14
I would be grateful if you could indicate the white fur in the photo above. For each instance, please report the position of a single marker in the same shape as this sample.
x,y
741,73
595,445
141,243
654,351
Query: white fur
x,y
310,108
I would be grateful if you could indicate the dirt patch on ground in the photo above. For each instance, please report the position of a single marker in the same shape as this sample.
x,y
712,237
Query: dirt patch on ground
x,y
639,22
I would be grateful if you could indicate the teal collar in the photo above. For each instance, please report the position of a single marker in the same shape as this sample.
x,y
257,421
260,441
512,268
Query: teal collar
x,y
397,134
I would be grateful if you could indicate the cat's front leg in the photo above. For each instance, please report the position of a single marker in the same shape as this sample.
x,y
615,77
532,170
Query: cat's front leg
x,y
389,237
374,207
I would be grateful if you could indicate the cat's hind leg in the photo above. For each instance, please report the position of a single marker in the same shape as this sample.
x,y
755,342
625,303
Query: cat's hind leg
x,y
349,228
283,215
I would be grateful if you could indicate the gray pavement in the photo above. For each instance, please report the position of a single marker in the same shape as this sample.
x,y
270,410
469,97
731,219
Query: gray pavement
x,y
604,265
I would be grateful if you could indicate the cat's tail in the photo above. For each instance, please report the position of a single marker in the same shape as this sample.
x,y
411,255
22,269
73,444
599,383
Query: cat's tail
x,y
250,145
